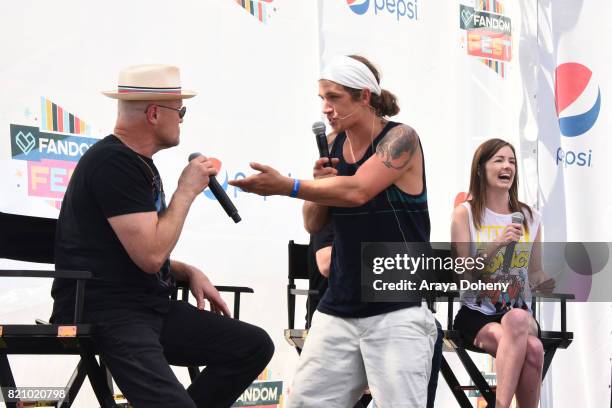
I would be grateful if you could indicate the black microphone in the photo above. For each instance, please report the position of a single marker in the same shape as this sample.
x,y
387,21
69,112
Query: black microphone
x,y
220,194
318,128
517,218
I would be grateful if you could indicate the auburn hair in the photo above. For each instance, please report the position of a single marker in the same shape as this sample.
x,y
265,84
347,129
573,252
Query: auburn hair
x,y
478,183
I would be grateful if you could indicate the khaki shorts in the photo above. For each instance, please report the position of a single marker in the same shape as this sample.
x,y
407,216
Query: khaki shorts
x,y
389,353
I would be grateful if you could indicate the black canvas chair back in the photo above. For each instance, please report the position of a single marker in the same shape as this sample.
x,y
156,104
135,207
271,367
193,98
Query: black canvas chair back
x,y
25,238
299,262
32,239
300,265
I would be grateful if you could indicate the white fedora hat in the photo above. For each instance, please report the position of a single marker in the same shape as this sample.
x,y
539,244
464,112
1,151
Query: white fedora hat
x,y
149,82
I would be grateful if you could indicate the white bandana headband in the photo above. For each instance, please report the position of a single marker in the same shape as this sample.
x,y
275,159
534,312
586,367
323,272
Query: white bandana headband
x,y
349,72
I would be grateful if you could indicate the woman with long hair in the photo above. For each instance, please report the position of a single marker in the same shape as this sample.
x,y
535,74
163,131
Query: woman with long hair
x,y
500,321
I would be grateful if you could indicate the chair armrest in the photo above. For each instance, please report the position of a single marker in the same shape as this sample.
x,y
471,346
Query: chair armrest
x,y
560,296
304,292
36,273
236,290
80,276
450,296
432,297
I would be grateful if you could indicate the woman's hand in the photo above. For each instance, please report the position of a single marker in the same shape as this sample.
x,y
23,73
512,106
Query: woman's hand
x,y
512,233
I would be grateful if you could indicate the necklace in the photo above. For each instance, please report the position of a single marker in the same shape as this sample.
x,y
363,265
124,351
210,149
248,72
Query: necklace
x,y
153,175
155,180
371,140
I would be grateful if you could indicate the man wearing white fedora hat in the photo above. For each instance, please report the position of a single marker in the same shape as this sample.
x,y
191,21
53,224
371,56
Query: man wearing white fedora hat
x,y
115,222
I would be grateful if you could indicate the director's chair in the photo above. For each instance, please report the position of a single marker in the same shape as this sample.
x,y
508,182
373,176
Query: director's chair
x,y
453,342
32,239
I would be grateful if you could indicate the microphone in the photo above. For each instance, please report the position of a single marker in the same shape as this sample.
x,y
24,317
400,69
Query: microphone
x,y
318,128
517,218
220,194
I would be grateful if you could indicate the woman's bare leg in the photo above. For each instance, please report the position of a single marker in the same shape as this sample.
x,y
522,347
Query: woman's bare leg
x,y
530,381
508,343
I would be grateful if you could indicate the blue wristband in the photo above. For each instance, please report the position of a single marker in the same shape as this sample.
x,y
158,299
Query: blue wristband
x,y
296,188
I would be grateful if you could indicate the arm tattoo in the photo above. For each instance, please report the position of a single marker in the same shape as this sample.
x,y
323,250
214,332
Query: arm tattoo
x,y
401,139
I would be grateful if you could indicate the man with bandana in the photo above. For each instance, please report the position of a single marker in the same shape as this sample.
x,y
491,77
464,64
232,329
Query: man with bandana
x,y
374,192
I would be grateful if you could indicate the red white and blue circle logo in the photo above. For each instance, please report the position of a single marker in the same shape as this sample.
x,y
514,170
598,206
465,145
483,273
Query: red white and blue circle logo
x,y
577,98
358,6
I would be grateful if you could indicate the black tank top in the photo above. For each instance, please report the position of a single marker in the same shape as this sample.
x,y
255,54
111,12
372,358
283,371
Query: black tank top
x,y
374,221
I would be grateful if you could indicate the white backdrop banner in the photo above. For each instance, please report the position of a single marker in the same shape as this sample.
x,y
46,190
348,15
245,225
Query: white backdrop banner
x,y
464,71
255,66
573,144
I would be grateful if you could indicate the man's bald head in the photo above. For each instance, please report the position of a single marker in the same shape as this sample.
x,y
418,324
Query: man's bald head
x,y
151,122
131,110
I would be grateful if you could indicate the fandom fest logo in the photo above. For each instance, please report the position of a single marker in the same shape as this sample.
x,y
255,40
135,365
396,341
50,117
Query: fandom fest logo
x,y
488,34
578,102
261,394
50,151
400,9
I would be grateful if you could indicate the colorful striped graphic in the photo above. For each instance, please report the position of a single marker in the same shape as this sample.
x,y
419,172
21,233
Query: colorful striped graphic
x,y
496,66
260,9
266,375
494,6
55,119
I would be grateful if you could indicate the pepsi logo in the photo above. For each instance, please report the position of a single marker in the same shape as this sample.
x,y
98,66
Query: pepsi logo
x,y
358,6
461,198
401,9
577,99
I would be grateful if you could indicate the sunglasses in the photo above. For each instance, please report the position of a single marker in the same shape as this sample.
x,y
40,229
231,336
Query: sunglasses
x,y
181,111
